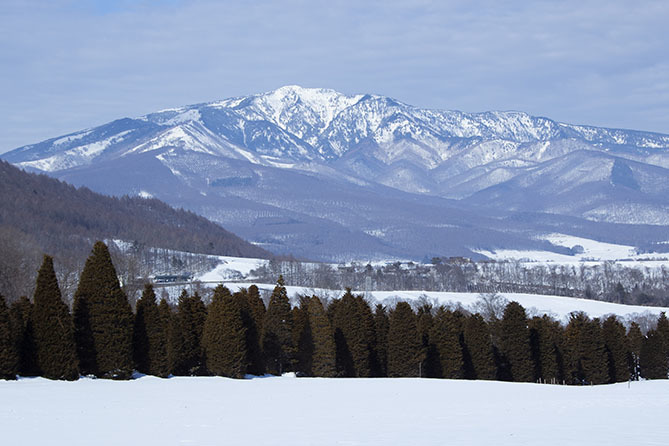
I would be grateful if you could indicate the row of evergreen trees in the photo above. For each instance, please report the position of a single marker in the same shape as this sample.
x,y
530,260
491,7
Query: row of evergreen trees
x,y
236,335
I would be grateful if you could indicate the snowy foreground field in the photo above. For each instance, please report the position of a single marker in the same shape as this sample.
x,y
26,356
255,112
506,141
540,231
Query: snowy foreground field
x,y
320,411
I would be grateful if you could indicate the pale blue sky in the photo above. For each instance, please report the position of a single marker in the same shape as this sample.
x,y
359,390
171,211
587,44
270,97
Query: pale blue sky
x,y
68,65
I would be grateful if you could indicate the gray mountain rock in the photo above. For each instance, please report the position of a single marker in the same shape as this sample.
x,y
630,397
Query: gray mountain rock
x,y
325,175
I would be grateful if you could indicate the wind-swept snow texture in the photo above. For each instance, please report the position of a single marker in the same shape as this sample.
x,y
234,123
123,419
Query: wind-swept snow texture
x,y
330,176
321,411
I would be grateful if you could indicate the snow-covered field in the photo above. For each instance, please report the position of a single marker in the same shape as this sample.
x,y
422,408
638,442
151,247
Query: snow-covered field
x,y
321,411
592,252
231,267
234,272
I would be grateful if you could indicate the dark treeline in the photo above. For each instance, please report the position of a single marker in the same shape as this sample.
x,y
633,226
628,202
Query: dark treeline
x,y
39,213
236,334
58,215
607,281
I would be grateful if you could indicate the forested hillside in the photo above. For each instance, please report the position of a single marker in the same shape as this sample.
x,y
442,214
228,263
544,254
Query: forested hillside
x,y
40,214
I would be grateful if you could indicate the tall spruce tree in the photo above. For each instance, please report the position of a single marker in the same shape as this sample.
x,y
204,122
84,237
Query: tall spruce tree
x,y
145,310
277,335
403,343
546,346
20,314
478,342
160,365
587,362
256,305
9,358
323,360
303,338
253,312
424,322
446,336
617,351
652,363
353,323
149,335
662,330
381,326
224,336
634,341
597,369
53,327
185,353
103,319
369,355
515,343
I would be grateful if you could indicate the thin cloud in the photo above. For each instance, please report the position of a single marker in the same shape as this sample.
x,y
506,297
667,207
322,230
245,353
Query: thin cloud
x,y
69,65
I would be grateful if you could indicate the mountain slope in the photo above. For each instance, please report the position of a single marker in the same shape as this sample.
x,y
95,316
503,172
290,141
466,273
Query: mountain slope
x,y
57,215
326,175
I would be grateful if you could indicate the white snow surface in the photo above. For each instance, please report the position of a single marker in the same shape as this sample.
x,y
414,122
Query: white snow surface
x,y
76,156
231,267
593,250
322,411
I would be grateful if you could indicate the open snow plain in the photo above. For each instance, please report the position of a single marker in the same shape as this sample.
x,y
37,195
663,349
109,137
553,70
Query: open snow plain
x,y
321,411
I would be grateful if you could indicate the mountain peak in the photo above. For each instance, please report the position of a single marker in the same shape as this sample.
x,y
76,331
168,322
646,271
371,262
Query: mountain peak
x,y
304,112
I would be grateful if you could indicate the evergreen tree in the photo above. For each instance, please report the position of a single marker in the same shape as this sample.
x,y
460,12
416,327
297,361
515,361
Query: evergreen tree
x,y
515,343
20,315
160,365
403,343
597,370
185,353
426,355
446,337
103,319
366,358
478,342
545,344
662,330
150,335
253,315
323,360
53,327
277,335
616,349
224,336
9,359
587,361
303,338
381,327
634,341
256,305
145,309
652,362
353,323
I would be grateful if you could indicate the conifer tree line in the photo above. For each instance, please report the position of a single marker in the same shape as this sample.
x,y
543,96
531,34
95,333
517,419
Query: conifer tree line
x,y
236,335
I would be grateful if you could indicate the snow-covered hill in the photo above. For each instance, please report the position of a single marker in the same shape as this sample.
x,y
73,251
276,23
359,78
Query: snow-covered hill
x,y
300,170
307,411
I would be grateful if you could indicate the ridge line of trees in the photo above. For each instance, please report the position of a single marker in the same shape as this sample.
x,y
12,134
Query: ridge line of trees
x,y
236,335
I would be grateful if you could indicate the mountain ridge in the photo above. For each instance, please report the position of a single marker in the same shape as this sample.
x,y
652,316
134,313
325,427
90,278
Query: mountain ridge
x,y
369,148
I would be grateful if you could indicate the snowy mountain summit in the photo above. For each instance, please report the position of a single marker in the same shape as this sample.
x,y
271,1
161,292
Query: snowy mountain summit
x,y
229,159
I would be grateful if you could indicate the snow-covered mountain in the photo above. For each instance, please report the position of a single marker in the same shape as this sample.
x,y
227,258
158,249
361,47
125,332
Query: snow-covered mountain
x,y
324,174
